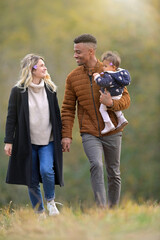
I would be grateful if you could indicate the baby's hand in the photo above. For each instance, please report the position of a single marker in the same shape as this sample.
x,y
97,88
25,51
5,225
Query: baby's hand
x,y
95,74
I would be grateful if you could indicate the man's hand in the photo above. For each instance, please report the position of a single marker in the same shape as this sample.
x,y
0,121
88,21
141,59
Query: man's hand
x,y
8,149
106,98
66,142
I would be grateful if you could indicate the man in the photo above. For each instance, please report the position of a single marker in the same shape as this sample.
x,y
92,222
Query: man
x,y
81,90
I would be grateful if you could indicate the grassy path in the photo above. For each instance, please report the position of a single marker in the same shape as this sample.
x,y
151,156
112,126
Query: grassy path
x,y
128,222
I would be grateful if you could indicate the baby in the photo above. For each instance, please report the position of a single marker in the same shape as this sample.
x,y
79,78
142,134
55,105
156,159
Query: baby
x,y
114,79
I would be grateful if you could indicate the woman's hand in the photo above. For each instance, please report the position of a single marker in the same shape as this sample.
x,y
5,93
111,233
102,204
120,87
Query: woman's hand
x,y
8,149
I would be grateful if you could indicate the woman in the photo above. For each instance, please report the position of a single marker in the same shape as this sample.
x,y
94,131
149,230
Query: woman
x,y
33,134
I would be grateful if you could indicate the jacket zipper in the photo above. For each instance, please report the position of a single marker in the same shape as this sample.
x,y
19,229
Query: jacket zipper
x,y
90,77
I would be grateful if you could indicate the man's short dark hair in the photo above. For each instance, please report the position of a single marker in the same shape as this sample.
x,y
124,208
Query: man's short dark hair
x,y
85,38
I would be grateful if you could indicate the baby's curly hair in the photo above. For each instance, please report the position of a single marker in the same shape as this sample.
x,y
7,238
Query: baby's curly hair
x,y
112,57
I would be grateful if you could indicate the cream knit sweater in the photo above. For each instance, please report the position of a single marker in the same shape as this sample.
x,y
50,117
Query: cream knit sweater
x,y
39,115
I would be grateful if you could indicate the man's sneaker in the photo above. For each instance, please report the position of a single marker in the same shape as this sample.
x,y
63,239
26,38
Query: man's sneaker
x,y
108,127
51,206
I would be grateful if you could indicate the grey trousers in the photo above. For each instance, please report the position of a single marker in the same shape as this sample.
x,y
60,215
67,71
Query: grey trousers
x,y
94,147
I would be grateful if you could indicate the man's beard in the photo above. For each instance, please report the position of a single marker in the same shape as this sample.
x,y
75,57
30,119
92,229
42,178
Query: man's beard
x,y
80,64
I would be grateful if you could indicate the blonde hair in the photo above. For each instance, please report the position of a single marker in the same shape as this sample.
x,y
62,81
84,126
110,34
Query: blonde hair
x,y
27,66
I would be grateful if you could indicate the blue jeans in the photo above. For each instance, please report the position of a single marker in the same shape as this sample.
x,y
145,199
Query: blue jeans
x,y
42,165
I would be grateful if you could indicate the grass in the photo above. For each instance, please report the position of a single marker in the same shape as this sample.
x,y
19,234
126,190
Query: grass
x,y
128,222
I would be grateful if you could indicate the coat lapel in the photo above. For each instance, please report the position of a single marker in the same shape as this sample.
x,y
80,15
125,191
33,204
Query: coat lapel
x,y
50,96
25,106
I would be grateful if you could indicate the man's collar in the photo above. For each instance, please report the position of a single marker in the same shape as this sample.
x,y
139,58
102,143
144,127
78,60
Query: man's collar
x,y
90,71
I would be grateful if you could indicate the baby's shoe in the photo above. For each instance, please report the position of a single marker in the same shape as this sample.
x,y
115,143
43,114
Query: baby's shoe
x,y
122,122
108,127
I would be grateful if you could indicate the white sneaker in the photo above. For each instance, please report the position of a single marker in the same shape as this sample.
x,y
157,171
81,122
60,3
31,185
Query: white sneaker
x,y
51,206
108,127
41,216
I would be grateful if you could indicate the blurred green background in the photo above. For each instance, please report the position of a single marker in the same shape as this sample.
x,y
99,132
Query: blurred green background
x,y
132,28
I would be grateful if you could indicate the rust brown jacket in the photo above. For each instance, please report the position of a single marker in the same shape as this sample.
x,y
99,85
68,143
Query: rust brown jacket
x,y
82,91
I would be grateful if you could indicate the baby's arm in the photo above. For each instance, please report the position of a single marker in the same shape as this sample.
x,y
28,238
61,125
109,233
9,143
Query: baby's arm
x,y
122,78
105,81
